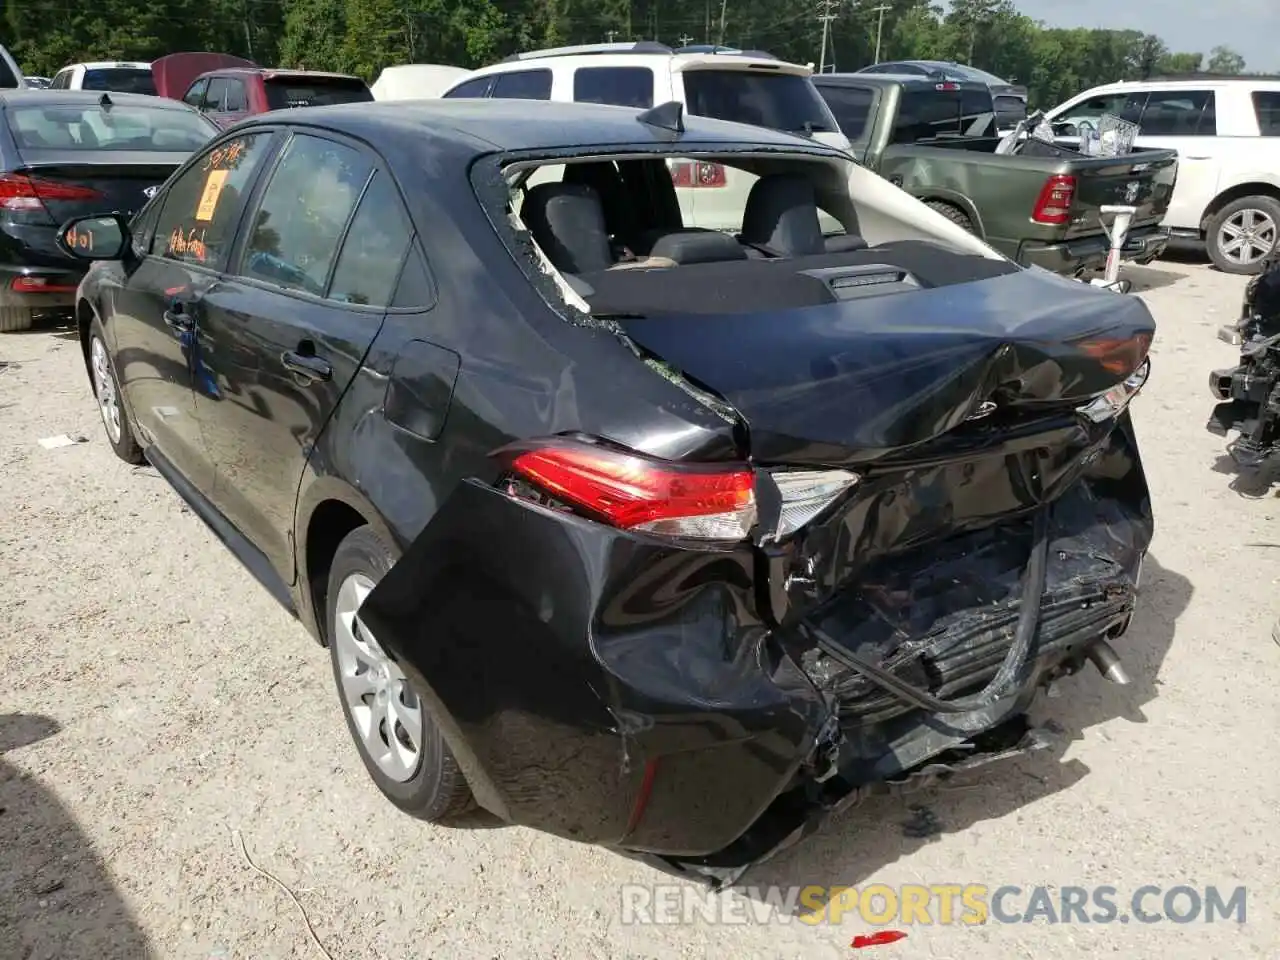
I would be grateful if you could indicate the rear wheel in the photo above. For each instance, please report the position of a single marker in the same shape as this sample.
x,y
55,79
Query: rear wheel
x,y
106,390
952,213
398,740
13,319
1241,235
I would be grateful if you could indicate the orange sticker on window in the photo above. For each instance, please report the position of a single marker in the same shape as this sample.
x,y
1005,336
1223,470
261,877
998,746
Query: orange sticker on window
x,y
212,190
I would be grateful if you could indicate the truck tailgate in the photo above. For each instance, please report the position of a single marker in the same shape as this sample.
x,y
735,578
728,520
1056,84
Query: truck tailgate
x,y
1142,179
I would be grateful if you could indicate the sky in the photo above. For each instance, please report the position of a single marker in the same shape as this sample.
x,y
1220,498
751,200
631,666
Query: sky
x,y
1250,27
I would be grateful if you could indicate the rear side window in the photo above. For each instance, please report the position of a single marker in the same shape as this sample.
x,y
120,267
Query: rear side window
x,y
369,264
470,88
1178,113
523,85
90,127
779,101
303,212
620,86
852,107
1010,110
1266,104
283,92
120,80
924,114
202,206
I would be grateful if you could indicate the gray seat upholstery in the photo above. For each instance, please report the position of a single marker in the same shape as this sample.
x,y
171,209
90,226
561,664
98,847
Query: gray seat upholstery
x,y
567,222
781,216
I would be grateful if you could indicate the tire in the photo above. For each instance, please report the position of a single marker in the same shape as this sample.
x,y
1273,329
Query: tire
x,y
1259,213
430,786
952,213
13,319
106,392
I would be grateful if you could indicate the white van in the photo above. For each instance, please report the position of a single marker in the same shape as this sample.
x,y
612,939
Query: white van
x,y
416,81
744,87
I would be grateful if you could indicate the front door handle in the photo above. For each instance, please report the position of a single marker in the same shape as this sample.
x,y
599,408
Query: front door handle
x,y
306,365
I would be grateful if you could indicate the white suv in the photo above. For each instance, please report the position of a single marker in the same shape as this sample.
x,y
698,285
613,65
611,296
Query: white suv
x,y
118,76
1227,134
749,87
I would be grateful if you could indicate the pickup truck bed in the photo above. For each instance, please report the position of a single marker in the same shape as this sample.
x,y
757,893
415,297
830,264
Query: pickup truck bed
x,y
1041,210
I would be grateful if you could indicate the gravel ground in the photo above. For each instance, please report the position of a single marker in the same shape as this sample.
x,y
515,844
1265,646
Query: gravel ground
x,y
158,704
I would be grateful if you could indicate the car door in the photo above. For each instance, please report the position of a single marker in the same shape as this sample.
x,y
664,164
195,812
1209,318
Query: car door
x,y
284,338
1186,121
157,306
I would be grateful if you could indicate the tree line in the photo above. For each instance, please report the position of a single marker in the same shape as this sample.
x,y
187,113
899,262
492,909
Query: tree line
x,y
363,36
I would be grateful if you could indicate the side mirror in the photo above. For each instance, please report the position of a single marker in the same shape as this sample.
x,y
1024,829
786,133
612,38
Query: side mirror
x,y
101,237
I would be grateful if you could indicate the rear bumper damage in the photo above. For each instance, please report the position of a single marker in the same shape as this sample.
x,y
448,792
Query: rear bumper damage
x,y
632,692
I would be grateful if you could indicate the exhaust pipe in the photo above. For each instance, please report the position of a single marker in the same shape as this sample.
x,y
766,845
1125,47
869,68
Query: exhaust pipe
x,y
1108,663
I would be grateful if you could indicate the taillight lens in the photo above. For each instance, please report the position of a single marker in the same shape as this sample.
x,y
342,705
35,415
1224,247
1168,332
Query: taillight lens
x,y
1121,356
20,192
806,493
1112,403
699,501
697,174
1053,206
40,285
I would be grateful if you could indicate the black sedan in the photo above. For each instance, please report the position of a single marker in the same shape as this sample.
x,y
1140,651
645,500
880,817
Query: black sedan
x,y
649,536
64,153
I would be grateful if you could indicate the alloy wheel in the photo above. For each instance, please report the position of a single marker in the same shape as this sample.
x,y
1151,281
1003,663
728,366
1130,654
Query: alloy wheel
x,y
385,711
1247,236
104,388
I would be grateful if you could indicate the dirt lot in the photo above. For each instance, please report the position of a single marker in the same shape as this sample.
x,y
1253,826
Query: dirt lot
x,y
156,701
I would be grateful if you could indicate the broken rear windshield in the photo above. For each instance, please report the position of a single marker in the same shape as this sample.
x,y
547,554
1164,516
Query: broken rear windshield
x,y
285,92
120,80
780,101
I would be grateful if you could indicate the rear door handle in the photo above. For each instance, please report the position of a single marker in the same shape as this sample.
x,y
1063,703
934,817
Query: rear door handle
x,y
306,365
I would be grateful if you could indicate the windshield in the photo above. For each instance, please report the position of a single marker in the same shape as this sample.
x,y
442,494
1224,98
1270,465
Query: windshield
x,y
92,127
284,92
120,80
780,101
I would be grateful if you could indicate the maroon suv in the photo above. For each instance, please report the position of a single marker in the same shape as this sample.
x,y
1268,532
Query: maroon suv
x,y
231,94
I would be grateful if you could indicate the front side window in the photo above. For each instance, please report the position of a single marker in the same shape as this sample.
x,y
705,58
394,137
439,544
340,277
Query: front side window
x,y
1178,113
619,86
213,100
195,96
114,128
236,101
374,250
202,206
523,85
478,87
303,212
851,106
1266,104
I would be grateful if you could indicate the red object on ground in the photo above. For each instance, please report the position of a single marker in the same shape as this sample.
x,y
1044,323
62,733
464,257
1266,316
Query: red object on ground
x,y
877,939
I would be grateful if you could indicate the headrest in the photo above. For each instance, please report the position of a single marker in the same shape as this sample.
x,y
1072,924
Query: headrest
x,y
567,221
698,246
782,214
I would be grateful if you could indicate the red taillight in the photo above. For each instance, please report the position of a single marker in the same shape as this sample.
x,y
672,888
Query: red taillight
x,y
697,174
40,285
21,192
1053,206
702,501
1115,355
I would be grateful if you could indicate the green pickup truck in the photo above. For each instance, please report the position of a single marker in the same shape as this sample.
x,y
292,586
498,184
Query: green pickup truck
x,y
919,133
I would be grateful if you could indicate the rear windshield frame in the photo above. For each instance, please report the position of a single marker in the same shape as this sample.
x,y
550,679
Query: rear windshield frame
x,y
318,87
700,92
191,119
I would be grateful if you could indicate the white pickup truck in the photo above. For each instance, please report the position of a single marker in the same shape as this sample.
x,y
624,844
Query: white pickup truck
x,y
1227,134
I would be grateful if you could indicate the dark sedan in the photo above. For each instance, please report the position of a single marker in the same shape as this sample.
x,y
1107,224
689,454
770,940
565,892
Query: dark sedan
x,y
666,539
69,152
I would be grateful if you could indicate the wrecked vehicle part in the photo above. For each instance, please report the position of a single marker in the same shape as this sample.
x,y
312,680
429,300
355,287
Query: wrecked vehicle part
x,y
1249,393
659,644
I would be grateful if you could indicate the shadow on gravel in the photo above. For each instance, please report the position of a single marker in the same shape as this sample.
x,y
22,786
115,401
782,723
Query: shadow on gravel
x,y
57,901
1149,278
1252,483
855,847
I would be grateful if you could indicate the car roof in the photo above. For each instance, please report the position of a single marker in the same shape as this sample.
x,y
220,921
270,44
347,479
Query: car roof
x,y
112,64
49,98
1193,83
638,54
891,79
510,125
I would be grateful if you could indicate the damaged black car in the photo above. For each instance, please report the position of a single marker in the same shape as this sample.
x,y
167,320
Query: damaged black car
x,y
1248,410
671,539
